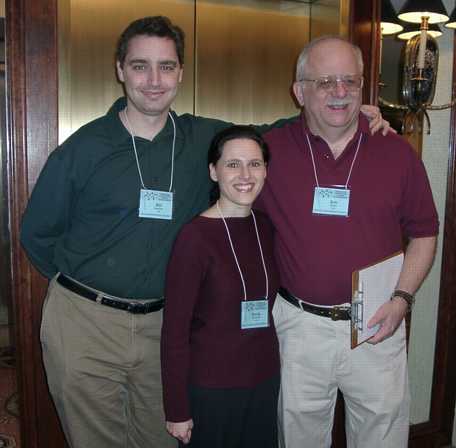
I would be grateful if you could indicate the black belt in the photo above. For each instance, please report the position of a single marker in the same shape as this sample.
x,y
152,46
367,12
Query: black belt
x,y
335,312
131,307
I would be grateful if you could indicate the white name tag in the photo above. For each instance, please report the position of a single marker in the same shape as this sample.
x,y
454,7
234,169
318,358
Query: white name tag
x,y
331,201
156,204
254,314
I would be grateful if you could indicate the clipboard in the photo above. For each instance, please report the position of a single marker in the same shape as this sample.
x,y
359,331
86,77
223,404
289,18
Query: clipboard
x,y
372,286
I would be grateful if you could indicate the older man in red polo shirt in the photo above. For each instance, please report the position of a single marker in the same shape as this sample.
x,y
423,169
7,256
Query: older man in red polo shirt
x,y
380,195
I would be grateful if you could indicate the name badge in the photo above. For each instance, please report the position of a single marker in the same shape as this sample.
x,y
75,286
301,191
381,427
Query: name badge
x,y
254,314
331,201
156,204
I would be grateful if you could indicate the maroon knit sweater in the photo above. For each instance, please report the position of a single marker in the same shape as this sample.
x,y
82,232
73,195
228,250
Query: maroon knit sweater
x,y
202,340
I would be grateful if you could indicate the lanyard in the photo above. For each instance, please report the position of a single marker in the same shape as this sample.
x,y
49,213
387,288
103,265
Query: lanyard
x,y
351,167
129,128
235,257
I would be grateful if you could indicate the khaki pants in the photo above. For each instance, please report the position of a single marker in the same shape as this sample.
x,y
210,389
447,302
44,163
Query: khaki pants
x,y
317,360
103,371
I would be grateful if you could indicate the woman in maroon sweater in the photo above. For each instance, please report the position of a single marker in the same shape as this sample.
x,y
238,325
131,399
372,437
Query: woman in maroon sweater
x,y
220,355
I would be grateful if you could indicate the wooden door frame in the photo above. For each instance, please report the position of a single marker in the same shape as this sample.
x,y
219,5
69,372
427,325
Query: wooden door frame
x,y
32,96
437,431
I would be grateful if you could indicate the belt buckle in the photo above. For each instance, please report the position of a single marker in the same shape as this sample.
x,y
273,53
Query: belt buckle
x,y
336,311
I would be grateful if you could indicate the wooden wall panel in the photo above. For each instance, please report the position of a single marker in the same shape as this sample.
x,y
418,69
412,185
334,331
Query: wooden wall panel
x,y
365,32
32,133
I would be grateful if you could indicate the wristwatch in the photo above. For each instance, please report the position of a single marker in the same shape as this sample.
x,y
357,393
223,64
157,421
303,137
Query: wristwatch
x,y
409,298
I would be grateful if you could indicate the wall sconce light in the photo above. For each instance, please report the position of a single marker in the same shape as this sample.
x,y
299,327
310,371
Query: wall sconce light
x,y
420,63
411,30
389,22
452,22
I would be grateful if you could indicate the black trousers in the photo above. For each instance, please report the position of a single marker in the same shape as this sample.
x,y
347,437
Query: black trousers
x,y
235,417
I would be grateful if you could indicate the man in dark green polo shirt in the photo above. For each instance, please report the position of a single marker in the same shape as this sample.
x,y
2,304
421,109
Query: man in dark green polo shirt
x,y
100,225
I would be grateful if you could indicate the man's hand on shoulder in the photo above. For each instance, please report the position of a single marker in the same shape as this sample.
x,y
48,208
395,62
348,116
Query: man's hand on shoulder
x,y
388,316
376,122
180,430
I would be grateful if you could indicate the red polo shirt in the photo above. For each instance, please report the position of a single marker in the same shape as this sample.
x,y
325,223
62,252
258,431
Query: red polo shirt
x,y
390,198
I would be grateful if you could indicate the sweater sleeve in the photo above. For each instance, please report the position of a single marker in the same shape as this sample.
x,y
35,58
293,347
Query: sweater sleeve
x,y
185,273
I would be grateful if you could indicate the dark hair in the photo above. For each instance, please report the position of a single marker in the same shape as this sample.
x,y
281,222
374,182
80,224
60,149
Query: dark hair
x,y
222,137
158,26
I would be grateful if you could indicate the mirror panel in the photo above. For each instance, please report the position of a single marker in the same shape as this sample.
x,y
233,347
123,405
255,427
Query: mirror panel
x,y
87,83
329,17
247,49
235,51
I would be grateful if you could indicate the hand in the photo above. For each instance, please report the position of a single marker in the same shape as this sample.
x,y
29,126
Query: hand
x,y
180,430
376,121
389,316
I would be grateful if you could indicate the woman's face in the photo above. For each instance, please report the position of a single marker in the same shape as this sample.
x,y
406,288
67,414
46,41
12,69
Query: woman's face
x,y
240,173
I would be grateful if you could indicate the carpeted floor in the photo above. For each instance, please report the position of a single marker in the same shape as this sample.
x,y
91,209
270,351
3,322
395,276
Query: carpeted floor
x,y
9,409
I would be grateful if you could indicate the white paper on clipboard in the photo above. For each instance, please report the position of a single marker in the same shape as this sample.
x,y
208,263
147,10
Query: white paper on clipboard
x,y
372,287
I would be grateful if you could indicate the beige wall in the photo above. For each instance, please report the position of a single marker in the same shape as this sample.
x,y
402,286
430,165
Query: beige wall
x,y
435,158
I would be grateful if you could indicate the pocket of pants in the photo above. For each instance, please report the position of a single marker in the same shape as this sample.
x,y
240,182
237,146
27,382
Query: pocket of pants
x,y
278,313
45,311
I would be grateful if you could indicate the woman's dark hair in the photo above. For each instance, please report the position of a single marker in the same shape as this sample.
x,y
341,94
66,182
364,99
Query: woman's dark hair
x,y
218,142
155,26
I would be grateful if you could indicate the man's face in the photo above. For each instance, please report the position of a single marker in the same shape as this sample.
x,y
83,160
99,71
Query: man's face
x,y
328,109
151,74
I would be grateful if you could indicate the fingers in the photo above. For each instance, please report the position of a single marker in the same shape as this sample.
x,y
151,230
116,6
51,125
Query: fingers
x,y
384,332
377,318
186,438
388,316
181,430
378,124
386,127
375,122
391,129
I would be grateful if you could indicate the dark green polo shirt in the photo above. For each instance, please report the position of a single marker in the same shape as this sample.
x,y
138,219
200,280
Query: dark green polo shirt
x,y
82,218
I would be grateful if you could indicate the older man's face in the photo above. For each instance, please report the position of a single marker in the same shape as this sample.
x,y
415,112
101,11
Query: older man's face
x,y
332,102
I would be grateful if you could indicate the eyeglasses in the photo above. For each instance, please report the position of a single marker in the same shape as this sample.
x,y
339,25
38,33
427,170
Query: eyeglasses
x,y
327,84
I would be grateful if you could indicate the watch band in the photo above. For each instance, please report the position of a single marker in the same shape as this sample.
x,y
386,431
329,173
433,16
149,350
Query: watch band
x,y
409,298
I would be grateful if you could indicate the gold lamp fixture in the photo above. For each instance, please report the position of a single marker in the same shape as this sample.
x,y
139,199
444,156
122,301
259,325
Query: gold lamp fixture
x,y
410,30
421,61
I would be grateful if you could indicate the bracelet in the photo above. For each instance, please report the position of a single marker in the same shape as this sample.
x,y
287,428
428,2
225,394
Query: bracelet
x,y
409,298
